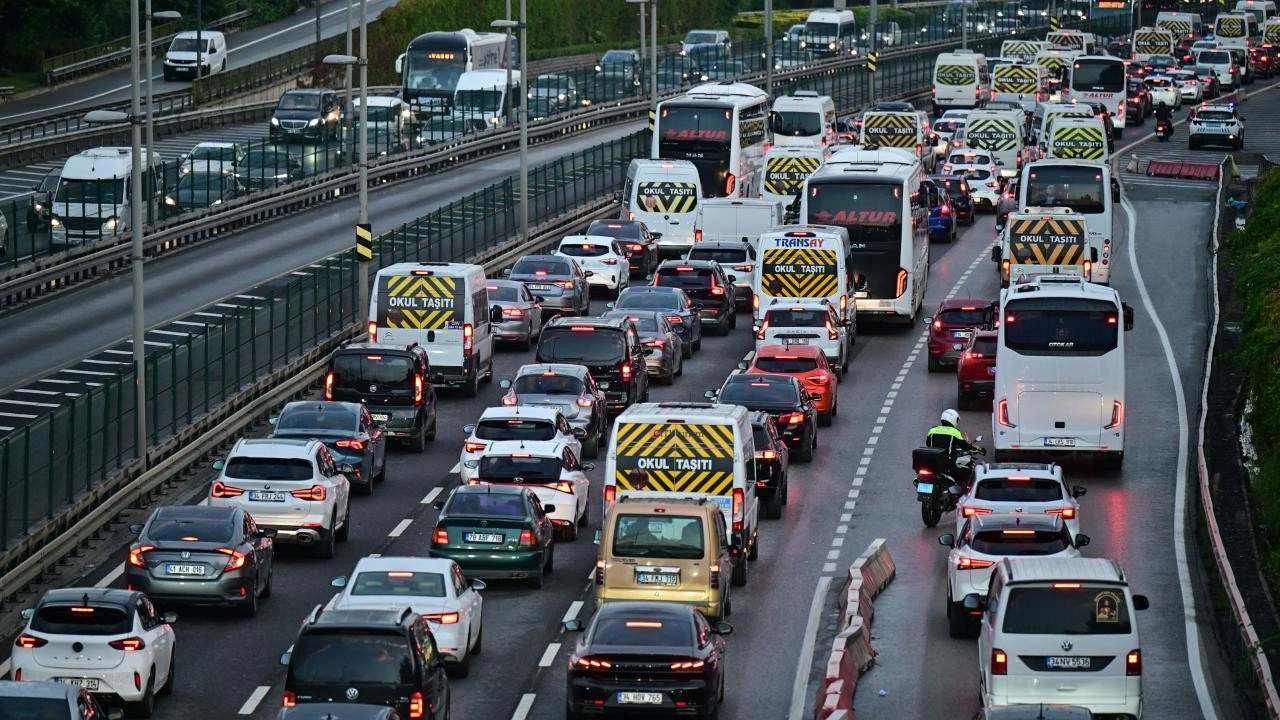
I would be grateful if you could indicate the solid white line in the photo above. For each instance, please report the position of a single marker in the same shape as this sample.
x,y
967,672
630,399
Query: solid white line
x,y
435,492
799,688
526,704
575,607
255,698
33,391
24,416
1195,657
455,469
4,668
110,577
549,655
399,529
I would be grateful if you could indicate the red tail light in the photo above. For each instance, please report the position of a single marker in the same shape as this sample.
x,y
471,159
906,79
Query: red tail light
x,y
440,537
794,418
526,538
902,282
991,183
509,400
610,493
971,511
1066,513
474,447
626,372
599,572
30,642
237,559
468,336
968,563
1004,268
417,389
221,490
566,284
449,618
755,302
697,235
688,665
417,706
656,343
373,335
767,454
739,503
590,663
128,644
999,662
729,183
820,379
1117,415
137,556
512,313
675,319
744,268
290,698
832,333
1133,663
924,472
1002,413
351,444
716,289
945,210
713,574
937,324
315,493
586,402
635,247
760,333
328,385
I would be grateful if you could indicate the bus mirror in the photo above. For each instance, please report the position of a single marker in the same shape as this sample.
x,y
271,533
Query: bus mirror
x,y
995,254
1128,316
1115,190
775,122
400,64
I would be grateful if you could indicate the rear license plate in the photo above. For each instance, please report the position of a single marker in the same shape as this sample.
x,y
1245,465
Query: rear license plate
x,y
483,537
176,569
267,496
90,684
538,286
962,333
380,417
1059,442
657,579
640,698
924,488
1068,663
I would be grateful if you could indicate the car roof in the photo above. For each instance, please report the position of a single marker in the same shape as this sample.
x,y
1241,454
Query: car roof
x,y
1009,521
1224,108
589,239
196,512
536,448
760,377
1013,469
511,412
688,263
273,447
1051,569
109,596
722,245
652,288
46,690
365,348
569,369
306,91
775,350
644,607
490,490
361,617
415,563
615,323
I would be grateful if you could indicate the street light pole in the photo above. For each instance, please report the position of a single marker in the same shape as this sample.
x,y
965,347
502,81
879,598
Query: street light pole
x,y
653,56
151,108
768,47
347,108
509,63
524,128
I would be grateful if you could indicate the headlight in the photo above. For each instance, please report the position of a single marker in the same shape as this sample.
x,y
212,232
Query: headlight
x,y
314,122
111,224
185,170
275,121
168,200
39,207
55,222
831,46
281,175
560,96
216,203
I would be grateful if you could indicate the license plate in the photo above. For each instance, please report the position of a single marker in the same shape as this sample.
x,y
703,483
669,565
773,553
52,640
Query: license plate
x,y
175,569
657,579
640,698
90,684
962,333
1059,442
538,286
483,537
267,496
380,417
924,488
1068,663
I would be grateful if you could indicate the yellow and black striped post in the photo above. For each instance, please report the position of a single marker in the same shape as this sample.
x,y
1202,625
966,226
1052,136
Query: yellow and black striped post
x,y
872,59
653,119
364,242
1053,23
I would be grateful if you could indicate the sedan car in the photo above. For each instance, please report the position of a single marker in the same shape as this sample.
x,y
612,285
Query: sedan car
x,y
495,531
569,389
447,128
335,710
664,350
680,310
960,194
552,94
201,555
952,325
740,257
551,470
347,429
51,701
435,588
1020,488
1137,101
559,280
806,363
529,422
212,157
640,244
605,262
613,668
201,190
1208,79
773,462
1188,84
783,397
265,168
521,312
976,369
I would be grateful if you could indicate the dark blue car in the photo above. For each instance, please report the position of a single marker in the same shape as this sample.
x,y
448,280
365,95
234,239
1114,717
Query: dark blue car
x,y
961,199
942,215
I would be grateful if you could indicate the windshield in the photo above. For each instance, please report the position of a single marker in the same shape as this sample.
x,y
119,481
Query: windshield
x,y
1076,187
821,30
378,113
1098,75
516,429
584,249
398,582
645,322
345,657
1061,326
796,318
99,192
251,468
1021,541
205,181
434,69
702,135
648,301
614,229
1080,610
215,153
313,418
299,101
798,124
977,174
474,101
190,45
969,159
759,393
82,620
700,38
724,256
947,126
649,536
619,631
1018,490
872,213
581,347
547,384
617,57
388,370
785,364
215,530
985,347
541,266
504,467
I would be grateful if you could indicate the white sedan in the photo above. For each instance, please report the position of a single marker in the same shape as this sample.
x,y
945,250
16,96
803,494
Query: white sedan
x,y
550,469
1188,85
435,588
520,422
1020,488
601,257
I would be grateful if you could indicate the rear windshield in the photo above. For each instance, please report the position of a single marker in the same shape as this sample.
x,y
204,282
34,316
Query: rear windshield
x,y
32,708
592,346
584,249
399,582
1008,490
310,418
499,467
962,317
947,125
388,370
648,301
969,159
1214,57
724,256
690,278
191,529
532,266
547,385
1063,610
1021,541
773,393
650,536
252,468
348,657
643,323
953,186
986,348
501,505
796,318
643,631
515,429
761,435
82,620
976,174
783,364
613,229
1215,115
504,293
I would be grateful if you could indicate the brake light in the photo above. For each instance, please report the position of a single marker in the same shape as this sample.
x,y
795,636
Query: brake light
x,y
526,538
418,390
136,558
1117,415
128,644
991,183
1004,268
610,261
971,511
563,486
635,247
937,324
902,282
1068,513
585,402
697,235
656,343
566,284
440,537
755,303
468,336
351,444
967,563
729,183
222,490
1002,413
1133,663
290,698
999,662
688,665
626,372
417,707
328,385
590,663
315,493
794,418
30,642
237,561
449,618
716,289
512,313
763,326
610,493
739,502
744,268
820,379
945,211
373,335
509,400
767,454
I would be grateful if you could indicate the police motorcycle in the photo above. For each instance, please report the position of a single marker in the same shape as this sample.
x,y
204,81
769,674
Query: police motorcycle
x,y
939,482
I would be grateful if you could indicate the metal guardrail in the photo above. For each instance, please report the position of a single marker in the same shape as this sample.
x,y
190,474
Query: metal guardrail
x,y
165,104
247,77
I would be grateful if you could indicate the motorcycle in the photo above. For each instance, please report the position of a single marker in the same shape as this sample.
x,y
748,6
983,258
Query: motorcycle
x,y
936,488
1164,130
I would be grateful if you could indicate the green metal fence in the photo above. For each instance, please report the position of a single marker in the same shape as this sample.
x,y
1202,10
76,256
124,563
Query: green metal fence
x,y
264,72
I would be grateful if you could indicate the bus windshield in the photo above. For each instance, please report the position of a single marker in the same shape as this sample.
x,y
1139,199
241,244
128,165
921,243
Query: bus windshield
x,y
1061,326
1098,76
434,68
702,135
1076,187
872,213
798,124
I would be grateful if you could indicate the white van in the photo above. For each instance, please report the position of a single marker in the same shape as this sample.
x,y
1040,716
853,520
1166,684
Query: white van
x,y
1183,25
95,195
804,119
1262,10
664,195
207,47
803,262
1076,138
1232,30
1060,630
736,219
829,32
999,132
960,80
442,307
482,95
1046,113
1271,30
785,170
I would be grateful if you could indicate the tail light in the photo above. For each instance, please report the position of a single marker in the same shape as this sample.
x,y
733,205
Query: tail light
x,y
290,698
468,336
563,486
999,662
967,563
137,556
237,559
373,335
1133,663
755,303
991,183
760,333
626,371
566,284
971,511
509,400
610,261
351,444
820,379
713,574
315,493
526,538
656,343
729,184
1068,513
417,706
610,493
794,418
944,211
328,385
767,454
832,333
30,642
937,324
635,247
590,663
902,282
222,490
449,618
417,389
440,536
1117,415
688,665
675,319
716,289
697,235
933,90
924,472
128,644
599,572
1002,414
1004,268
947,168
844,303
515,313
631,215
744,268
739,503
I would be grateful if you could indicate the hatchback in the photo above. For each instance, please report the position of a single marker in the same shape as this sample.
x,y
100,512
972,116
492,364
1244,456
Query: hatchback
x,y
51,701
347,429
609,348
976,369
664,350
521,312
783,397
566,388
952,325
640,244
708,285
680,310
773,461
560,281
739,256
959,193
395,383
1020,488
602,258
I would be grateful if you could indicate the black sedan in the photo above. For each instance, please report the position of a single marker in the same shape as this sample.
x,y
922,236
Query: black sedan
x,y
681,312
783,397
347,429
202,555
648,656
200,190
709,286
773,460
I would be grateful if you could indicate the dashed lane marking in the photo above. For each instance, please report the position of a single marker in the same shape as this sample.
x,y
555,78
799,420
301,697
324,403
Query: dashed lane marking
x,y
255,698
526,704
549,655
400,527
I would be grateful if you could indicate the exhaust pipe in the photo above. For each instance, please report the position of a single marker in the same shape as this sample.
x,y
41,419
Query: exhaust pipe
x,y
307,536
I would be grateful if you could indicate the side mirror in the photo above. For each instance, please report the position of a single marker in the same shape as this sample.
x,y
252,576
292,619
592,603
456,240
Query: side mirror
x,y
269,532
468,429
723,628
1082,540
587,273
742,365
400,64
506,272
1077,491
273,419
973,601
548,509
574,625
338,582
710,394
170,617
438,505
734,278
610,304
1128,317
539,298
1140,602
504,383
655,235
136,528
477,584
346,468
580,433
219,464
27,613
588,467
928,320
284,657
995,253
947,540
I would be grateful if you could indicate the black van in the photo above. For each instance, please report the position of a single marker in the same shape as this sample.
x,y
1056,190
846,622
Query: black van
x,y
378,657
609,347
394,382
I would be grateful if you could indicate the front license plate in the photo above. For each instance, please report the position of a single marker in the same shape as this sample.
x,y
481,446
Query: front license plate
x,y
267,496
176,569
1059,442
924,488
1068,663
656,579
640,698
90,684
483,537
380,417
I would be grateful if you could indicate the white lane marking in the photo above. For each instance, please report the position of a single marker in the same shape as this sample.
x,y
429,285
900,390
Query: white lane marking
x,y
399,529
833,554
435,492
33,391
849,505
526,704
828,567
842,529
837,542
4,668
591,574
457,467
255,698
549,655
575,607
110,577
1192,629
846,517
799,688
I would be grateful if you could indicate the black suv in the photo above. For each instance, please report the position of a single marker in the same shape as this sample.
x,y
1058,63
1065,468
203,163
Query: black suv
x,y
609,347
634,236
740,256
311,114
379,657
773,460
395,383
708,284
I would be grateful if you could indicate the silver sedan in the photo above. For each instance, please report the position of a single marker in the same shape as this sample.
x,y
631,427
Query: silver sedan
x,y
663,347
521,312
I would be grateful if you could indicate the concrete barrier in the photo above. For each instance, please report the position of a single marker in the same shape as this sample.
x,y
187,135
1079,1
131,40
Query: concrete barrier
x,y
1164,168
855,642
856,601
837,699
876,566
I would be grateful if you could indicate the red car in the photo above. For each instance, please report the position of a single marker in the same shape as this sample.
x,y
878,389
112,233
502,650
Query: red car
x,y
952,326
976,371
1263,59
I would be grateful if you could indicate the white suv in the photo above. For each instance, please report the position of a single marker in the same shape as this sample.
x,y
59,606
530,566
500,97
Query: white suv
x,y
292,486
550,470
1216,125
1010,487
601,258
808,322
521,422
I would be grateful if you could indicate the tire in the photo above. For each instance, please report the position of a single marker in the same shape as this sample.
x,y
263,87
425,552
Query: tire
x,y
930,513
479,643
366,489
462,669
733,319
249,608
963,402
167,688
958,623
824,419
739,578
934,365
146,707
472,388
697,344
535,581
835,407
773,506
686,351
785,486
570,532
382,476
271,574
325,548
418,443
680,366
569,714
344,533
591,447
805,454
431,431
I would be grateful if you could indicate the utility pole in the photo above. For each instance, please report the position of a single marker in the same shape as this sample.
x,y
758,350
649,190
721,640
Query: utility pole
x,y
871,52
317,4
653,58
364,230
768,47
135,227
642,41
964,24
347,109
199,35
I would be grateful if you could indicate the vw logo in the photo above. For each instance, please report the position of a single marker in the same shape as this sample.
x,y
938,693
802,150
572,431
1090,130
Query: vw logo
x,y
373,388
484,523
186,555
352,694
1066,646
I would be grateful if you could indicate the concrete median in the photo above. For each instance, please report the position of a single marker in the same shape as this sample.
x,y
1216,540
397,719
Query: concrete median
x,y
836,702
877,566
855,642
855,600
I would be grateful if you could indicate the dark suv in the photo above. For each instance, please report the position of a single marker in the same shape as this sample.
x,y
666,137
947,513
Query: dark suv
x,y
310,114
640,244
708,284
395,383
380,657
609,347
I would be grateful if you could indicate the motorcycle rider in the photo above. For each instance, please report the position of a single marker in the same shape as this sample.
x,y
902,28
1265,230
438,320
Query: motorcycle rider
x,y
1164,113
947,436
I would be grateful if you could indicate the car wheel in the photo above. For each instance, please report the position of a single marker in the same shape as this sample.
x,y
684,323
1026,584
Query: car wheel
x,y
773,506
733,318
805,454
366,488
478,645
680,362
146,707
785,485
325,547
934,365
686,351
963,402
461,669
958,623
266,589
824,419
418,443
586,514
345,531
249,608
431,433
591,447
740,572
697,344
472,388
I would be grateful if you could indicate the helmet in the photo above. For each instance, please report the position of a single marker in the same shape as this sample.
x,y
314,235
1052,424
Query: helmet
x,y
950,417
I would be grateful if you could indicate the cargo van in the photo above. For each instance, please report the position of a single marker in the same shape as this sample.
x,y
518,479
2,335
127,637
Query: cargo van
x,y
786,169
830,33
444,308
803,262
208,48
1232,30
1183,25
1019,82
999,132
959,81
1077,138
701,451
737,219
95,195
483,95
664,195
804,118
1261,10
